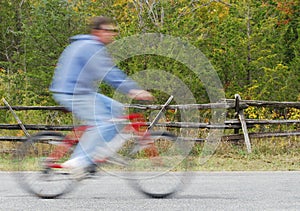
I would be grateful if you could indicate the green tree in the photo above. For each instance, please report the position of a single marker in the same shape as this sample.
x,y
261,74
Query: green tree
x,y
253,45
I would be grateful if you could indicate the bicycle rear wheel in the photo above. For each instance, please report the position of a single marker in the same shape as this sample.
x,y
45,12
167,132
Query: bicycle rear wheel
x,y
157,169
34,173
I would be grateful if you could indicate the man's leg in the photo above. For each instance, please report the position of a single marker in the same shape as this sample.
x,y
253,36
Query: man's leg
x,y
97,111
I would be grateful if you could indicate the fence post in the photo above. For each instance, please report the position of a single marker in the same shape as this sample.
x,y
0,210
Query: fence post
x,y
236,109
17,118
241,116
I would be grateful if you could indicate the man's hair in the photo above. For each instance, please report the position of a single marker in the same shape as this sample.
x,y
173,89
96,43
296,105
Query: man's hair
x,y
97,22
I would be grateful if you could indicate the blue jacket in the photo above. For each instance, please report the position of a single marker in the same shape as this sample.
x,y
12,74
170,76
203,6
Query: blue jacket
x,y
83,64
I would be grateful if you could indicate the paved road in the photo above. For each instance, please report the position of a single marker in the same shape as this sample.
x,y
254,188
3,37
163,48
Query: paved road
x,y
205,191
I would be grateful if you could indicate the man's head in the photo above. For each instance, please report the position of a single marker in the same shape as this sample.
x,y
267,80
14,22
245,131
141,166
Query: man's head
x,y
104,29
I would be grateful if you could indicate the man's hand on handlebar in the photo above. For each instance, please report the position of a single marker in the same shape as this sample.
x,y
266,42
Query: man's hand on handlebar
x,y
140,95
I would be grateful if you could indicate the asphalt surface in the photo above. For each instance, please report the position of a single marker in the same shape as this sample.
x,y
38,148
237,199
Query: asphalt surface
x,y
203,191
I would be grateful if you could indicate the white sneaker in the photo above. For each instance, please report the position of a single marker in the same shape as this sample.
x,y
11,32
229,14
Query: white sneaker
x,y
72,163
77,170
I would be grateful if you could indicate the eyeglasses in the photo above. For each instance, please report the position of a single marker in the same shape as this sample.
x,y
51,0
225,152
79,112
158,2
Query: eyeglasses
x,y
109,30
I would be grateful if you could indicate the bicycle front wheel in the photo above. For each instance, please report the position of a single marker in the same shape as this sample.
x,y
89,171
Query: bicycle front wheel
x,y
34,175
158,169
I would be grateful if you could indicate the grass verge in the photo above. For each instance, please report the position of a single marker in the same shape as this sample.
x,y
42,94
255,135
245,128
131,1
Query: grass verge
x,y
273,154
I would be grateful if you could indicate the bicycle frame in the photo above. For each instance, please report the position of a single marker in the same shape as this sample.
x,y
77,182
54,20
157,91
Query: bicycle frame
x,y
136,124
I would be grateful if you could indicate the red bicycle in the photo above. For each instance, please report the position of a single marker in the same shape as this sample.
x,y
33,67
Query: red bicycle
x,y
147,159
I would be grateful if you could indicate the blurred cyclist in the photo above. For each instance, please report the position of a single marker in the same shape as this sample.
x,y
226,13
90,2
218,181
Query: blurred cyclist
x,y
82,65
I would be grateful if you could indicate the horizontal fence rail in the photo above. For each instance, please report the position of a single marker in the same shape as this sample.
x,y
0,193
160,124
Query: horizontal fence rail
x,y
228,104
228,124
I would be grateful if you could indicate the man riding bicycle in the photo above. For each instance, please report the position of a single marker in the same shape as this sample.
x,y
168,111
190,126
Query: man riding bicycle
x,y
81,65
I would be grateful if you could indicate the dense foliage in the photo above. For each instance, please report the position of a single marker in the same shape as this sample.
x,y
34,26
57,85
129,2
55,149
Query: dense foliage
x,y
253,45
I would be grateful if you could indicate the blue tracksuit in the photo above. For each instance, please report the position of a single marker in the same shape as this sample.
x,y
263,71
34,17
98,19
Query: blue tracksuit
x,y
81,66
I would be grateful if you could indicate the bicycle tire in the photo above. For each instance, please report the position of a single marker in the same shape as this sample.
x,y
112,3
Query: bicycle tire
x,y
33,175
162,181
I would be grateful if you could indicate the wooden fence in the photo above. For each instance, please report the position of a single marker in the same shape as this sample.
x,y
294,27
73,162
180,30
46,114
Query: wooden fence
x,y
238,124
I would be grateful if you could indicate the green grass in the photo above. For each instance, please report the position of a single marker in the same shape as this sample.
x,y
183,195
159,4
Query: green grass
x,y
248,163
272,154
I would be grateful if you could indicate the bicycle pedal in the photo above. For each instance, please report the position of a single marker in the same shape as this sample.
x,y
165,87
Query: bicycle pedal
x,y
92,169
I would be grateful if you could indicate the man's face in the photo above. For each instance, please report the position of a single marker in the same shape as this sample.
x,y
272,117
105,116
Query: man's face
x,y
106,33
